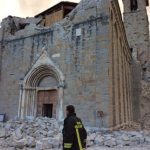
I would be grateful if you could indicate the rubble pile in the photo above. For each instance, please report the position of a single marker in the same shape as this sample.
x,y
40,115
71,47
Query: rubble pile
x,y
146,121
46,134
39,133
122,138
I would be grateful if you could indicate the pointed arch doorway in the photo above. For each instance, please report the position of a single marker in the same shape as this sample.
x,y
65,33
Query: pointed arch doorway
x,y
47,97
42,90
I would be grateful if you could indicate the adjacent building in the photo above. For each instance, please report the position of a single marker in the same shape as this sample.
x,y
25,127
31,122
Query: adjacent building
x,y
56,13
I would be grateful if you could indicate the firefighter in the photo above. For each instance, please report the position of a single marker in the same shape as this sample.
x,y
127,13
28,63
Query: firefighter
x,y
74,133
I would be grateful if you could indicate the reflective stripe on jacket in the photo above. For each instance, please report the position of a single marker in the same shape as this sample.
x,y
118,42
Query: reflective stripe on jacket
x,y
74,134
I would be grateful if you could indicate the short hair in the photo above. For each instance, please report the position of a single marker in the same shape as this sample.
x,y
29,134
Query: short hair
x,y
70,109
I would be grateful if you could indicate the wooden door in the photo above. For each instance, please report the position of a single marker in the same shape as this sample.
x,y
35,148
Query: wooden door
x,y
46,103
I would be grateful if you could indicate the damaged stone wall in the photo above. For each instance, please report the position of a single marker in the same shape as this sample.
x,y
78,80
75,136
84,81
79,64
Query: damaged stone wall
x,y
80,46
136,90
137,30
145,104
83,63
13,24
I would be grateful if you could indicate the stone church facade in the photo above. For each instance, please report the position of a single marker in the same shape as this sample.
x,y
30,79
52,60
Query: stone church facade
x,y
84,60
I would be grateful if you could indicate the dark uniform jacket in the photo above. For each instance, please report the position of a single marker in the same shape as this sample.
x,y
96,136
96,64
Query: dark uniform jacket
x,y
74,134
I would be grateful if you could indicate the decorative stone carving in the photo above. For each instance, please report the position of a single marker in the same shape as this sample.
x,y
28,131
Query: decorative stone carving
x,y
44,66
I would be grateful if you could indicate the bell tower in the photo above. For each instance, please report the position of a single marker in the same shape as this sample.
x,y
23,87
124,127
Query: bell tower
x,y
137,27
136,24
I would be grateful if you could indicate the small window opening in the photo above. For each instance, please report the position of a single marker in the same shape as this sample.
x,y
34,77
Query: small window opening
x,y
131,49
134,5
144,73
144,69
147,2
47,110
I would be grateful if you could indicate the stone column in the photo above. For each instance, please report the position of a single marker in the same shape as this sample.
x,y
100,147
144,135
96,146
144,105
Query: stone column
x,y
116,74
22,104
20,100
31,102
124,87
119,77
26,103
130,94
120,81
113,78
112,114
129,109
60,112
127,97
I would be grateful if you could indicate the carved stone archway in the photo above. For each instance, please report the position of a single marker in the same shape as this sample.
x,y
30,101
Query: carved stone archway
x,y
43,67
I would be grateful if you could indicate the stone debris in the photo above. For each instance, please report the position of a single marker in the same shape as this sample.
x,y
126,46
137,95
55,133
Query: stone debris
x,y
118,138
46,134
146,121
39,133
13,24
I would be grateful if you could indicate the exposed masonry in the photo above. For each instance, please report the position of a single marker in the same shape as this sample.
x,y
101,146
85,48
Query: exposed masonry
x,y
137,29
87,53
